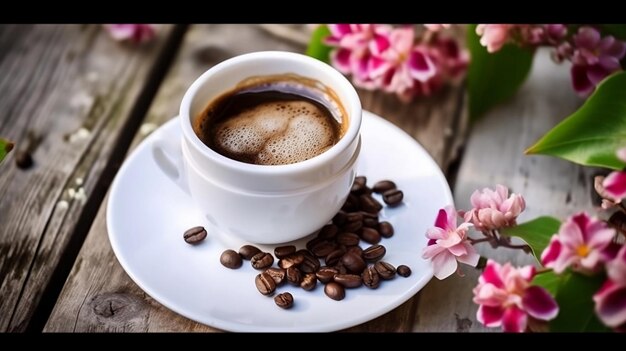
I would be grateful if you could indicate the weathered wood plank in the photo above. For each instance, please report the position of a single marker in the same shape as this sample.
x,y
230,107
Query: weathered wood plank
x,y
98,280
494,154
66,92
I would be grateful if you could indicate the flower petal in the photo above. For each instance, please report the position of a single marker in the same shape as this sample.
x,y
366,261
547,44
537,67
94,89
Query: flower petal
x,y
442,219
491,274
581,83
539,303
552,252
490,316
444,264
514,320
421,66
615,184
471,258
611,304
340,59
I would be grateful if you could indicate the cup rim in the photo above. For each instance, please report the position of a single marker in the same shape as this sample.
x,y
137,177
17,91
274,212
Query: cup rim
x,y
352,105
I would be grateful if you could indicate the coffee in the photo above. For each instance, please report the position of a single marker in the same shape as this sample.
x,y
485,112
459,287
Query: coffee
x,y
273,120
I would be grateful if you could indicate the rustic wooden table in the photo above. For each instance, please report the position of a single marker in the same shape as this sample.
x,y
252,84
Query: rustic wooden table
x,y
81,101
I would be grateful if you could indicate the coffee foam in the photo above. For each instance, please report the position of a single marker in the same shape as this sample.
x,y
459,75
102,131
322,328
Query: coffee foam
x,y
276,133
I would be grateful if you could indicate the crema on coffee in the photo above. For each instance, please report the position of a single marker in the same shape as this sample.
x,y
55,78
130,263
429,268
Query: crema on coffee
x,y
273,120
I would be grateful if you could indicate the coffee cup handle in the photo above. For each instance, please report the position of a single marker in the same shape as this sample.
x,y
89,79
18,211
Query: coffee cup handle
x,y
168,155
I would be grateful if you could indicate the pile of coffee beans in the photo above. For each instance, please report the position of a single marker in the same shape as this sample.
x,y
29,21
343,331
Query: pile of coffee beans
x,y
333,257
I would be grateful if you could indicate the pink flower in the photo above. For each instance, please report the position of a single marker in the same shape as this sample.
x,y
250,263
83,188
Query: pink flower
x,y
493,36
594,58
400,64
611,298
494,209
137,33
582,243
506,298
615,183
356,45
449,244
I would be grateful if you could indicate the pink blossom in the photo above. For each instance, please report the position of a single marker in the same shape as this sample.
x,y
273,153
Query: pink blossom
x,y
611,298
493,36
615,183
494,209
594,58
400,64
506,298
449,244
356,45
582,242
137,33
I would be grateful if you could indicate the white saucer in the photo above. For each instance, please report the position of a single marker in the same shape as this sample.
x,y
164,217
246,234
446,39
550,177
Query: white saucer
x,y
147,215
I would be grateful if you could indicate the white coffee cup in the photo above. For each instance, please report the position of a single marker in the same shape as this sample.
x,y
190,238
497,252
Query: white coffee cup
x,y
263,204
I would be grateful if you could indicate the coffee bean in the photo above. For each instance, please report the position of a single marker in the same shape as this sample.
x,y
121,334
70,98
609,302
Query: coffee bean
x,y
370,220
353,263
194,235
278,274
23,159
385,229
326,274
284,251
348,280
393,197
340,218
294,276
334,257
370,235
262,260
369,203
247,251
383,185
231,259
352,227
323,248
292,260
311,243
351,204
370,277
359,184
310,263
265,283
348,239
284,300
309,281
354,217
403,270
328,232
341,269
335,291
357,250
374,253
385,270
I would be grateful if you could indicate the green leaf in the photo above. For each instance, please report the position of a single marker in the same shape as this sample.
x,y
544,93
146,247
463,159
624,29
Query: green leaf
x,y
5,147
574,297
591,135
535,233
317,48
616,30
548,280
493,78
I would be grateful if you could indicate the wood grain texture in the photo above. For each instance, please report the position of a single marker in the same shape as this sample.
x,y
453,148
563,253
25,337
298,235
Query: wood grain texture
x,y
494,155
99,296
65,94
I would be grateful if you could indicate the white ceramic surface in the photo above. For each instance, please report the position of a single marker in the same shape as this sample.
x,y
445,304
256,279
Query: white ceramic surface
x,y
147,214
279,202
